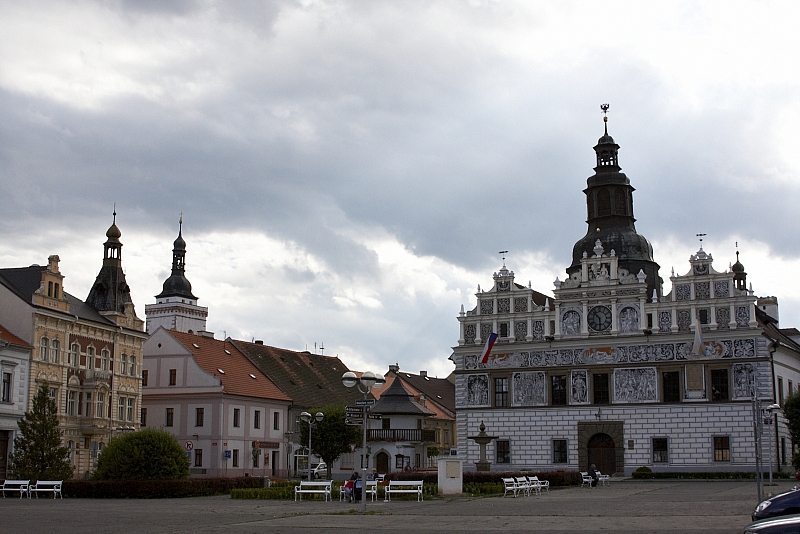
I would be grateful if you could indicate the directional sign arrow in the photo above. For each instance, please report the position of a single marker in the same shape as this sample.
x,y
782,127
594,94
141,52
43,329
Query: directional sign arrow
x,y
365,402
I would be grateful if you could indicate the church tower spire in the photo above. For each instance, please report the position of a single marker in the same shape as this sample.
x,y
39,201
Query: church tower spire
x,y
176,306
110,294
609,206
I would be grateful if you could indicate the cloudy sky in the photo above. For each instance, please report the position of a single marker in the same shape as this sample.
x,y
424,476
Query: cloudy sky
x,y
348,171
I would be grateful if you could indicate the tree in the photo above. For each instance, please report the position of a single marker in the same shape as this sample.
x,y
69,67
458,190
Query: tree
x,y
38,452
331,437
144,455
791,409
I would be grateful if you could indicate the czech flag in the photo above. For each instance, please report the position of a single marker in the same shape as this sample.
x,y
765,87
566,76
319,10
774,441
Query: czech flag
x,y
488,347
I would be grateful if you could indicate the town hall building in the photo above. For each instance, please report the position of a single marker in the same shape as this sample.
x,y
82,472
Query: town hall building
x,y
610,370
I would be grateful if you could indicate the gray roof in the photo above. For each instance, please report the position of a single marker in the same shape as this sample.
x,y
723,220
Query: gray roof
x,y
396,400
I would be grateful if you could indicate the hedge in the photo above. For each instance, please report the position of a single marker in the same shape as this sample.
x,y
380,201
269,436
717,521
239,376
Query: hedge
x,y
156,489
714,475
556,478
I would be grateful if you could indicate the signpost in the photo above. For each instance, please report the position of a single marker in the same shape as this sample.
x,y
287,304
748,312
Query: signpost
x,y
353,422
365,402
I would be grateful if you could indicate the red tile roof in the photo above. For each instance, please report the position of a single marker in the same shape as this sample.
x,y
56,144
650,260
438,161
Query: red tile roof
x,y
5,335
222,359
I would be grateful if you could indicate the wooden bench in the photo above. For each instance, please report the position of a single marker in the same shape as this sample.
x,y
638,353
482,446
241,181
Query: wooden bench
x,y
22,486
47,486
323,488
404,486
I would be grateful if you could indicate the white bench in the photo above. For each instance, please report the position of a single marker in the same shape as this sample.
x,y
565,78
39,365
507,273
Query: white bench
x,y
47,486
586,480
404,486
22,486
372,489
323,488
603,480
524,486
510,484
540,484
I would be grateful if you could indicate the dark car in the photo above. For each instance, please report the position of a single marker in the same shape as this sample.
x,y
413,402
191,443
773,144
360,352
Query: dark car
x,y
781,504
787,524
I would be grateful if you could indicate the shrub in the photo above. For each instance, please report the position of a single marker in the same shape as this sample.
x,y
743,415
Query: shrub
x,y
148,454
156,489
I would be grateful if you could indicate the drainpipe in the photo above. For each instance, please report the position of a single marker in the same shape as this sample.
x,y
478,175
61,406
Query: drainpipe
x,y
773,347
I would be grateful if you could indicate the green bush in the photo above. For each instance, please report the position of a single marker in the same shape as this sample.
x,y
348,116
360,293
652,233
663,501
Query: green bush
x,y
148,454
156,489
642,470
271,493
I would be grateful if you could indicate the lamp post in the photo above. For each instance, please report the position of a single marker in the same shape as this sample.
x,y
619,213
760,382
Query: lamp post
x,y
368,380
771,409
305,416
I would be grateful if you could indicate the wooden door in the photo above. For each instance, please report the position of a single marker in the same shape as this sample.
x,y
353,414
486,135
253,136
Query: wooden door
x,y
602,453
382,463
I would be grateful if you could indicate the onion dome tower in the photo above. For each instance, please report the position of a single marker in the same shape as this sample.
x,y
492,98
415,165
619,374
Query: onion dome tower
x,y
609,202
110,294
739,275
176,306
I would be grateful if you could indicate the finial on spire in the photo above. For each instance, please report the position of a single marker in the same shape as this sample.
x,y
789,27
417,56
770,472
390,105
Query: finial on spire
x,y
115,213
180,225
604,109
503,254
700,236
737,251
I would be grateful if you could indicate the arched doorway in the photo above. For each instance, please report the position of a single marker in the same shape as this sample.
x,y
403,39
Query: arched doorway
x,y
602,453
382,462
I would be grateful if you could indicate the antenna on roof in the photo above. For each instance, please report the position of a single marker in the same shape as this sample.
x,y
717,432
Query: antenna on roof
x,y
322,348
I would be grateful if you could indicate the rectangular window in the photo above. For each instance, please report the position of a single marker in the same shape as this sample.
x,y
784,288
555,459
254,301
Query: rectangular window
x,y
123,364
719,384
144,416
73,354
101,403
199,416
236,417
89,404
559,451
558,390
660,450
235,457
173,377
702,314
169,417
790,387
71,403
144,377
503,329
671,385
7,387
500,392
503,452
130,409
722,449
54,396
398,461
601,392
257,419
780,391
198,458
121,409
133,365
276,421
386,423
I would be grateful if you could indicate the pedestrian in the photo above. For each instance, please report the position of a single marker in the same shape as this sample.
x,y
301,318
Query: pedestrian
x,y
593,474
348,487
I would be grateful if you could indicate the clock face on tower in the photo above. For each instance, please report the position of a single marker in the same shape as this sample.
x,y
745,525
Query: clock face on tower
x,y
599,318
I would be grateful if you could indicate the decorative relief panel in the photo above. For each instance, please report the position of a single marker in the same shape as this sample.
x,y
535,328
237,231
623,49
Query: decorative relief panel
x,y
469,333
635,385
684,320
702,290
744,378
486,329
579,388
538,330
742,315
487,307
645,353
721,289
695,382
571,323
682,292
629,319
723,318
478,390
520,305
664,321
528,389
503,305
628,291
520,330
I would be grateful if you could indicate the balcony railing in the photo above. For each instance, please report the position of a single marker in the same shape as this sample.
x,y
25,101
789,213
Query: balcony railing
x,y
401,434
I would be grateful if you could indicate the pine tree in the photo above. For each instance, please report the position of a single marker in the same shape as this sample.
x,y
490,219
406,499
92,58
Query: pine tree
x,y
38,453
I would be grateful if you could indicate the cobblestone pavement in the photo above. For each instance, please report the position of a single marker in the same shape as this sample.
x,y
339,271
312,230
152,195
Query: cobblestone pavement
x,y
625,506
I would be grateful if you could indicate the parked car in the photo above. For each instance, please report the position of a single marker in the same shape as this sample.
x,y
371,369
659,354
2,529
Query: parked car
x,y
318,471
781,504
786,524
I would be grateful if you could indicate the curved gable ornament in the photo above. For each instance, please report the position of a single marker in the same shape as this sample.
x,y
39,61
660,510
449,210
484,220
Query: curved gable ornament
x,y
74,381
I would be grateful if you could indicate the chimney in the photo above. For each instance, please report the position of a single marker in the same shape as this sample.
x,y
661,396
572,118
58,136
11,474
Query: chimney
x,y
423,374
394,368
259,341
52,263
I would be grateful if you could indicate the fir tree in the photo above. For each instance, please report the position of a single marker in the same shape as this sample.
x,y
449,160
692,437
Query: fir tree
x,y
38,453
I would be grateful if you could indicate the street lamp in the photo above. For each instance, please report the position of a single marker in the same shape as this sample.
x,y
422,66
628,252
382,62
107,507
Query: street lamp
x,y
368,381
771,409
305,416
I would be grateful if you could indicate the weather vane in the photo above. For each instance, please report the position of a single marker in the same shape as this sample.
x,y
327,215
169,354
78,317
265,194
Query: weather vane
x,y
503,253
701,236
604,109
